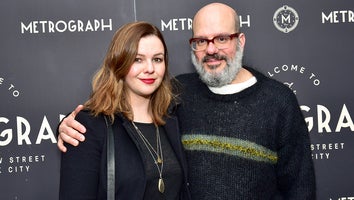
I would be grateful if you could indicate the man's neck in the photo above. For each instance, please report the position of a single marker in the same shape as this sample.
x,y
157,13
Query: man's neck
x,y
242,76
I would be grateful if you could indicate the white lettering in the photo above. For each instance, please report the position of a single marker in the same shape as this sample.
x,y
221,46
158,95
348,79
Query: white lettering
x,y
334,17
35,27
108,25
16,169
35,30
344,115
96,24
164,25
26,159
58,25
326,147
72,26
315,81
15,93
7,133
183,21
89,26
80,26
43,23
285,19
320,156
246,22
24,131
23,136
308,120
323,123
41,136
25,28
284,68
61,117
176,24
324,119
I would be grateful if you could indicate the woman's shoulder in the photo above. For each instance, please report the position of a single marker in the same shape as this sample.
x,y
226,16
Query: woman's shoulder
x,y
86,116
92,123
94,136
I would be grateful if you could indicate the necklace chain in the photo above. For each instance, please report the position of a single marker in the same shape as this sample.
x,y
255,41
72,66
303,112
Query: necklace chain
x,y
158,153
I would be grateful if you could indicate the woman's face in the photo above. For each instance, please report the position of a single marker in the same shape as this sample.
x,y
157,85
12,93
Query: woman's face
x,y
148,70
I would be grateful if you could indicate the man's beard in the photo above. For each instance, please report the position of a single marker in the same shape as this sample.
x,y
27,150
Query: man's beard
x,y
226,76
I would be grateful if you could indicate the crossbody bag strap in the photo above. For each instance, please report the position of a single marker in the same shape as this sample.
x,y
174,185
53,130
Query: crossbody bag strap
x,y
110,162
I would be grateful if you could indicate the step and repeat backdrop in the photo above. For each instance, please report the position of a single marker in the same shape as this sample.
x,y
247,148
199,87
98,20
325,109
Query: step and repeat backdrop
x,y
50,49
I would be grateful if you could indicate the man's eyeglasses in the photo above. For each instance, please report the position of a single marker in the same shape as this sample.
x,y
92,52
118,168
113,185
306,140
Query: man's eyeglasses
x,y
220,42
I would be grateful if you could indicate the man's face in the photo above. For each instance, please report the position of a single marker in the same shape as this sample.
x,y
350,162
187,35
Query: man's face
x,y
222,75
217,66
214,60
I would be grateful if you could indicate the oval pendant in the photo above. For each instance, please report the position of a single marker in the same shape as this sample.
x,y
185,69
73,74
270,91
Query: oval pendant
x,y
161,185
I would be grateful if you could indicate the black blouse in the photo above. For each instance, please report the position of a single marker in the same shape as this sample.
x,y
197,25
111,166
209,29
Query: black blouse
x,y
171,173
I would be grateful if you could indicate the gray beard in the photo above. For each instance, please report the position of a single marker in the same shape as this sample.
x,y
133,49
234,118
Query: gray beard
x,y
226,76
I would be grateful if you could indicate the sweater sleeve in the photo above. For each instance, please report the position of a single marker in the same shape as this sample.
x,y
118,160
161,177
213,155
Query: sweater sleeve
x,y
295,170
80,166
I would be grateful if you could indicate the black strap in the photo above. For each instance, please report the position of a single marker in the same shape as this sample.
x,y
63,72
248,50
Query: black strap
x,y
110,162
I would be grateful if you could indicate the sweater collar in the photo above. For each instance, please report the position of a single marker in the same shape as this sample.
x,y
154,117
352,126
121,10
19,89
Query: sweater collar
x,y
234,88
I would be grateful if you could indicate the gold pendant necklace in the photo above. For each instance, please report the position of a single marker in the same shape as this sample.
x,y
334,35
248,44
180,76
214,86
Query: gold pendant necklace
x,y
161,185
158,153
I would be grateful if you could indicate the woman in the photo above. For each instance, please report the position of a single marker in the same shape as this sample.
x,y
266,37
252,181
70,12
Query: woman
x,y
133,89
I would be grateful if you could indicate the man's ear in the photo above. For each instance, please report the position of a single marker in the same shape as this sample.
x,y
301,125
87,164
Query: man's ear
x,y
242,40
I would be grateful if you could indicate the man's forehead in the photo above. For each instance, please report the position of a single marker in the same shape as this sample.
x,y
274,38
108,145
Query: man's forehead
x,y
212,30
211,34
213,27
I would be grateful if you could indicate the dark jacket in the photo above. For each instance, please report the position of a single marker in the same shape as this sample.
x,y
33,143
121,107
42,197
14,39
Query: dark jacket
x,y
83,168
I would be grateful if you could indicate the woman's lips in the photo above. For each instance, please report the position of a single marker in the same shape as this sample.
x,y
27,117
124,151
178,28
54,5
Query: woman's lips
x,y
148,80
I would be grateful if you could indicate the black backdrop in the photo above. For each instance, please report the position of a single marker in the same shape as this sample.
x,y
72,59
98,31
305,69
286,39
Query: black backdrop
x,y
50,49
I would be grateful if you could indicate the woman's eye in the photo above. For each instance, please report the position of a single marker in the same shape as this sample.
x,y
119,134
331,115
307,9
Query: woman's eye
x,y
158,60
139,60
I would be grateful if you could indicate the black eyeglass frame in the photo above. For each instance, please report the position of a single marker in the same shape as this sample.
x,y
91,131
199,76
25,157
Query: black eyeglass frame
x,y
212,39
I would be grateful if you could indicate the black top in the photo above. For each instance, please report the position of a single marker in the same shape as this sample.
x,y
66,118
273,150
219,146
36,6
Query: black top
x,y
171,173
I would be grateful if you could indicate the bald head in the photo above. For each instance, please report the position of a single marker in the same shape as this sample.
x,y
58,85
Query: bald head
x,y
215,18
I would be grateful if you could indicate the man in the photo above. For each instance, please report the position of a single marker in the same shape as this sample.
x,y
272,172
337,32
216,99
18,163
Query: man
x,y
244,134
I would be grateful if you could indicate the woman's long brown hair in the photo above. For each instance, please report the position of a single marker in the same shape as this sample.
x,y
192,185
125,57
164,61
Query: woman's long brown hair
x,y
109,95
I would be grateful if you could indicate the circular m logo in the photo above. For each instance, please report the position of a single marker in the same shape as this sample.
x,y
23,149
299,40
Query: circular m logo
x,y
285,19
